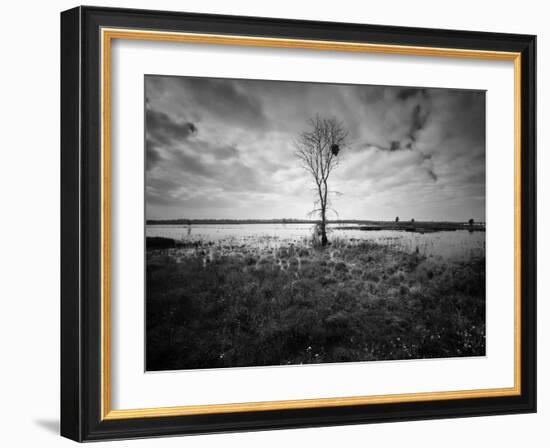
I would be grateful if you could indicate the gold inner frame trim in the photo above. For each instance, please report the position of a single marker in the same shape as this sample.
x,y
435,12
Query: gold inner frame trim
x,y
107,35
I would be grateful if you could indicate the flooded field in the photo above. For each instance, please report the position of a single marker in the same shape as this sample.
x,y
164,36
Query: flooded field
x,y
451,245
265,294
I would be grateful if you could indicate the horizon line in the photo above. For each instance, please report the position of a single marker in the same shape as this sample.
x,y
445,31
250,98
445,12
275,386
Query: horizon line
x,y
310,220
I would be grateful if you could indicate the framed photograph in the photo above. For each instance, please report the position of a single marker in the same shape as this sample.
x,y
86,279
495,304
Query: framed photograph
x,y
273,224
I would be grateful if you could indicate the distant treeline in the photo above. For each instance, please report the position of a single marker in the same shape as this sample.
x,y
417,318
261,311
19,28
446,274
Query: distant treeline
x,y
182,221
233,221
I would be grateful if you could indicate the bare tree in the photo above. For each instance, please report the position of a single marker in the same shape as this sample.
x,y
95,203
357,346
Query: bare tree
x,y
318,150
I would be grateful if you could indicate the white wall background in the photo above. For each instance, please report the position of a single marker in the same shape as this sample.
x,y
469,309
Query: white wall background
x,y
29,207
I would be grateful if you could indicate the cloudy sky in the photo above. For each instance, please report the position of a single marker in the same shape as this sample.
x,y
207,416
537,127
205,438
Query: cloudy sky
x,y
224,148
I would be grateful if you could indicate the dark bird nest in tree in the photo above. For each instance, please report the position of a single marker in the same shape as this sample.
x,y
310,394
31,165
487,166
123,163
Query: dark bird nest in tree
x,y
335,149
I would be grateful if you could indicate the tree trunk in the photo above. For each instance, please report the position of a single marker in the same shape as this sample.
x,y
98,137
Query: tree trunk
x,y
324,240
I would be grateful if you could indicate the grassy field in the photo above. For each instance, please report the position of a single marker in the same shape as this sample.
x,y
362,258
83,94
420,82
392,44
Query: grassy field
x,y
210,306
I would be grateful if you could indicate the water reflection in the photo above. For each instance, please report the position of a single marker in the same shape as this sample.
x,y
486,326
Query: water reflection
x,y
446,244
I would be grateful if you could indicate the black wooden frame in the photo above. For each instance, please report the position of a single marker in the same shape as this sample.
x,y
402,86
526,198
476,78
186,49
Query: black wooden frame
x,y
80,223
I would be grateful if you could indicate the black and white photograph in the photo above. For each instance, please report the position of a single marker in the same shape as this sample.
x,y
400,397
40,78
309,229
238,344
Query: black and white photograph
x,y
294,223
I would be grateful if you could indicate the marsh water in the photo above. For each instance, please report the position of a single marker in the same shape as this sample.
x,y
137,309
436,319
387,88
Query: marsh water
x,y
457,244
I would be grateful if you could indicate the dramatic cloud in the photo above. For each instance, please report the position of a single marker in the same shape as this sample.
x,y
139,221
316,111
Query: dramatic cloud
x,y
163,129
218,148
152,155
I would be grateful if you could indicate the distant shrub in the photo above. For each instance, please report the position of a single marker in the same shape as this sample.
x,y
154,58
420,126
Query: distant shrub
x,y
157,242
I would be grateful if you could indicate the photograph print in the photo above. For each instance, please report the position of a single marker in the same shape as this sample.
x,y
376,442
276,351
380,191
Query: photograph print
x,y
294,223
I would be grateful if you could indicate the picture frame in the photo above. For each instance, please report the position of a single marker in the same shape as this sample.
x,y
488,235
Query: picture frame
x,y
87,34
